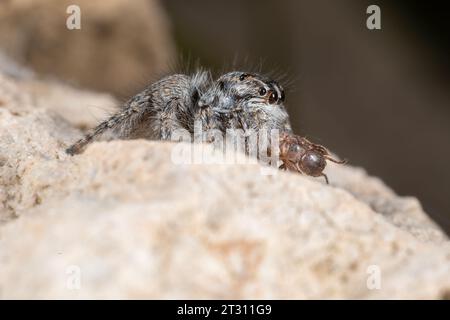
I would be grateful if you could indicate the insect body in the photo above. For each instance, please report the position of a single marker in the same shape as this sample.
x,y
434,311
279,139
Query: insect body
x,y
300,155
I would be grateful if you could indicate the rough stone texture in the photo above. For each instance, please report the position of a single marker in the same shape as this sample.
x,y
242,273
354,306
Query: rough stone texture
x,y
120,44
19,94
132,224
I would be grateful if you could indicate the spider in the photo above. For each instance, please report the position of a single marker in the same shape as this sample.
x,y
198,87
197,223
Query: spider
x,y
236,100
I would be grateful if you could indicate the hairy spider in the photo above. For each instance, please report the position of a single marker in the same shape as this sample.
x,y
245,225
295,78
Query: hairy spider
x,y
235,100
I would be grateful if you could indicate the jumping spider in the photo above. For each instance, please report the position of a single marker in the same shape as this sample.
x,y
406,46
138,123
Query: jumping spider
x,y
236,100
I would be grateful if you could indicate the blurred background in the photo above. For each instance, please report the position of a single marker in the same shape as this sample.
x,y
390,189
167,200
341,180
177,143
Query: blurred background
x,y
380,98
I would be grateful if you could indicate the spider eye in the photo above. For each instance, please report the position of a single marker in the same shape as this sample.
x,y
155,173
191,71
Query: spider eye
x,y
243,76
282,97
262,91
273,97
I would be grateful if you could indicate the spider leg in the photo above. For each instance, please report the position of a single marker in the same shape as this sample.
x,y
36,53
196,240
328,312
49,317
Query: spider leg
x,y
325,176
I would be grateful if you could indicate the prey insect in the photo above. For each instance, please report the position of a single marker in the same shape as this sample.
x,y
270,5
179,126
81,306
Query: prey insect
x,y
300,155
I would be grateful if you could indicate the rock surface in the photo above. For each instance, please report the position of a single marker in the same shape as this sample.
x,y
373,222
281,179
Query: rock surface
x,y
123,221
120,44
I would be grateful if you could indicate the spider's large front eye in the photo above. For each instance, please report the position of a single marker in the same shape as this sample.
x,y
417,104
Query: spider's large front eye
x,y
262,91
273,97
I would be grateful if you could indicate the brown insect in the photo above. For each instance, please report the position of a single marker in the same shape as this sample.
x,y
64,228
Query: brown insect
x,y
300,155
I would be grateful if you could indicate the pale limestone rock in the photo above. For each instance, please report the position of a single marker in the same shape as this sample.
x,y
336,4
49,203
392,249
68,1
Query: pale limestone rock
x,y
132,224
81,108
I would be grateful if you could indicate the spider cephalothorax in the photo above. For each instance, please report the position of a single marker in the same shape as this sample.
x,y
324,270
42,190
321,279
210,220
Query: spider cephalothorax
x,y
252,86
248,101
